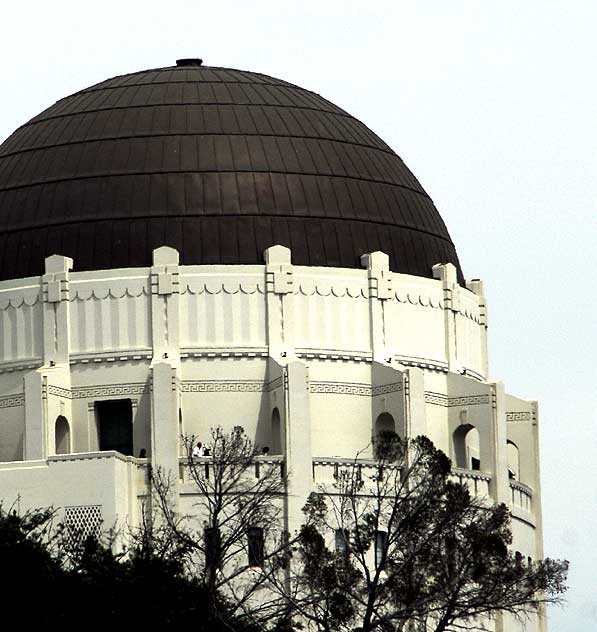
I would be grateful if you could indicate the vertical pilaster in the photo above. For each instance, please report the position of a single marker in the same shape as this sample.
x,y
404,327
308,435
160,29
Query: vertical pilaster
x,y
500,486
446,273
165,396
56,320
165,303
414,397
299,460
35,444
380,289
476,286
279,287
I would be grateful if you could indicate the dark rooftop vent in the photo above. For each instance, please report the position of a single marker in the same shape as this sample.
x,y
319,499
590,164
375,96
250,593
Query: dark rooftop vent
x,y
189,61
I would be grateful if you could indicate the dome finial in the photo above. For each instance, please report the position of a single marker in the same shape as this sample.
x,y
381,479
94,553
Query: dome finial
x,y
189,61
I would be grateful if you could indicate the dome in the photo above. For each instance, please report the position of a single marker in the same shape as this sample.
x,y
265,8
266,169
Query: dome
x,y
217,163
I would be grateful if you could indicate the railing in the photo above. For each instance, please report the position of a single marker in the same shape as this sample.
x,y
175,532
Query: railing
x,y
521,495
327,470
204,467
477,482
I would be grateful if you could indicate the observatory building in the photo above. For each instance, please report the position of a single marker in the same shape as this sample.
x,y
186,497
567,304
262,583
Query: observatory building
x,y
189,247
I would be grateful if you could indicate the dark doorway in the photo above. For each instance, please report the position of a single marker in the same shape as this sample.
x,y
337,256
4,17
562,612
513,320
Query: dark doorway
x,y
115,422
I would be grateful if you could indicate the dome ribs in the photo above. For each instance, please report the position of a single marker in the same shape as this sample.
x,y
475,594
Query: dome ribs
x,y
217,163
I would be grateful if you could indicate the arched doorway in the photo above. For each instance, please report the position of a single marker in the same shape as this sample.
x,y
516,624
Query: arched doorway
x,y
62,435
385,426
467,447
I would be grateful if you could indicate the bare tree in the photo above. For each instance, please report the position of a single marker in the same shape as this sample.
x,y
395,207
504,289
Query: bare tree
x,y
413,551
234,531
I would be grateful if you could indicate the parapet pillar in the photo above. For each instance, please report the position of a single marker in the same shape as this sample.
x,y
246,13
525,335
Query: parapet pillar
x,y
380,289
165,304
165,387
56,320
44,388
279,287
446,273
299,460
476,286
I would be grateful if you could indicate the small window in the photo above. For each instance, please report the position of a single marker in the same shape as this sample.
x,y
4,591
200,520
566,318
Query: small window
x,y
211,537
475,463
256,549
115,424
342,541
381,545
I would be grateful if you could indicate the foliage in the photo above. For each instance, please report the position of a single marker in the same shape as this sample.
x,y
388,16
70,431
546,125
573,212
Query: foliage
x,y
444,561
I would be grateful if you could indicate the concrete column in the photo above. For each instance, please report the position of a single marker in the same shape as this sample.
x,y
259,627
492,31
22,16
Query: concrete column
x,y
299,464
56,320
476,286
500,485
35,443
414,397
279,287
446,273
165,304
165,403
380,289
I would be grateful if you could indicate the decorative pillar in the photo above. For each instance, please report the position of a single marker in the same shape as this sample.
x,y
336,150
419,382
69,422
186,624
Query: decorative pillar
x,y
279,287
165,366
476,286
299,459
380,289
446,273
56,321
414,399
500,485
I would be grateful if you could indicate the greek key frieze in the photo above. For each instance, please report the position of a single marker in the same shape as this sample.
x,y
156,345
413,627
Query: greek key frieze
x,y
59,391
518,416
109,390
12,401
223,386
438,399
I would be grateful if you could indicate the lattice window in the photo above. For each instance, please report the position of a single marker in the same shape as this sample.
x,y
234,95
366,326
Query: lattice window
x,y
83,521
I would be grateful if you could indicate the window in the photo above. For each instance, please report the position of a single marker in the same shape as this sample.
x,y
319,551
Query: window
x,y
211,537
513,460
62,435
115,425
255,548
342,541
276,432
381,545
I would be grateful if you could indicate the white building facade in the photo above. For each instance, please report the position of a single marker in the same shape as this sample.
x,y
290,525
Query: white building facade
x,y
103,370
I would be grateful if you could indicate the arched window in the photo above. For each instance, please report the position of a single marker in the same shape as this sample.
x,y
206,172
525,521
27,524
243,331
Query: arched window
x,y
342,541
384,425
276,432
62,435
513,460
466,447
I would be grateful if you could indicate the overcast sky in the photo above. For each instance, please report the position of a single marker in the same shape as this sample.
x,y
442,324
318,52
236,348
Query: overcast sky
x,y
490,103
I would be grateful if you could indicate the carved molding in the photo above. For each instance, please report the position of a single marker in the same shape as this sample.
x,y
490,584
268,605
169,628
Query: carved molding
x,y
223,386
439,399
12,401
353,388
518,416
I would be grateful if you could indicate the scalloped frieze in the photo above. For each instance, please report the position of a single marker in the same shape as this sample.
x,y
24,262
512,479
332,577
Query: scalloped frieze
x,y
129,288
200,286
307,288
22,297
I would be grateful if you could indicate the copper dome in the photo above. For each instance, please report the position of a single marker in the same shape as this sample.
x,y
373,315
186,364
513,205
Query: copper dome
x,y
217,163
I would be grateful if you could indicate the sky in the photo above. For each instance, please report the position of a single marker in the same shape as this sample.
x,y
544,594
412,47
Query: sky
x,y
492,104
